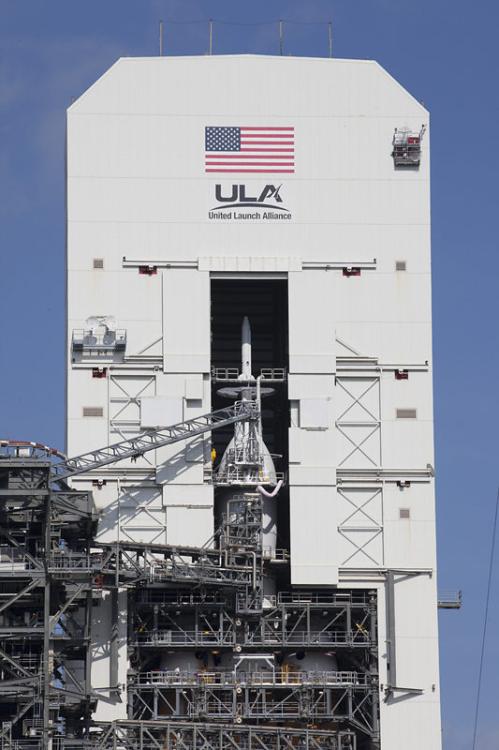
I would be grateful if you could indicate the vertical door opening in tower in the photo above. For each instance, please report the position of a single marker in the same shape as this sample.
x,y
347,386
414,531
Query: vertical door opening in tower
x,y
264,305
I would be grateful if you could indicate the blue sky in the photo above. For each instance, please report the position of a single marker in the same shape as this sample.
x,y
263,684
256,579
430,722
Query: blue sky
x,y
444,53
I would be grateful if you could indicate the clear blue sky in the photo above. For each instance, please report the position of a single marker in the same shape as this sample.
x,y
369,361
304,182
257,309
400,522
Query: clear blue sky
x,y
443,52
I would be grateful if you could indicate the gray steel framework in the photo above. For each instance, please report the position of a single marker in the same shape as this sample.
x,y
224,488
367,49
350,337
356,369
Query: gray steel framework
x,y
151,735
186,621
38,611
52,572
344,697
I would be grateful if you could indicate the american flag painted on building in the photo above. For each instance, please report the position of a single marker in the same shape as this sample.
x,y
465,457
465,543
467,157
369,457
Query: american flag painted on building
x,y
250,149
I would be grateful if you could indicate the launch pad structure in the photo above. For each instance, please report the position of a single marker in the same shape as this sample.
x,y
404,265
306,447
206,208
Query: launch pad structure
x,y
248,561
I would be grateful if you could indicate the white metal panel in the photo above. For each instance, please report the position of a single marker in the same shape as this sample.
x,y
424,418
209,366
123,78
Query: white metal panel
x,y
172,466
312,447
400,718
313,522
195,450
311,322
301,386
415,392
390,342
194,524
171,385
250,264
315,413
410,542
188,496
400,297
194,387
86,433
160,411
126,295
408,443
186,321
295,444
308,476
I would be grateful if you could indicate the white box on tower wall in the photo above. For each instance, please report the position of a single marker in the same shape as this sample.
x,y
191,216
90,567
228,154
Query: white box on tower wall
x,y
341,224
160,411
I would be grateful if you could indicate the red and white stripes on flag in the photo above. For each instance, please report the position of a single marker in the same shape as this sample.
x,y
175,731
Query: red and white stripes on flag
x,y
250,149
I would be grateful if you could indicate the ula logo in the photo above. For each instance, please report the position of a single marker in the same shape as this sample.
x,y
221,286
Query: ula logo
x,y
237,197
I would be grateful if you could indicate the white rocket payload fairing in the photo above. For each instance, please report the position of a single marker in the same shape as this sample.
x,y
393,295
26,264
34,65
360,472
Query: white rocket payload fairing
x,y
246,373
247,460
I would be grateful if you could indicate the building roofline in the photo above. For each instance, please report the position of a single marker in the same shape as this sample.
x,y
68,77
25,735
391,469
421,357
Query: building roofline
x,y
283,58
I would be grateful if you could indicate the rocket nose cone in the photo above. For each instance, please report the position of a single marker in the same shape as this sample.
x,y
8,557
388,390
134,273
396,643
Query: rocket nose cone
x,y
246,328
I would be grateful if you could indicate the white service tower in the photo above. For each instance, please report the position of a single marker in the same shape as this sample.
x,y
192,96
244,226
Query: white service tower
x,y
279,205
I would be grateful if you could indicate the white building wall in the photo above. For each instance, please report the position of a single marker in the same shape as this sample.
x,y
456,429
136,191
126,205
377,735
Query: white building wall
x,y
138,194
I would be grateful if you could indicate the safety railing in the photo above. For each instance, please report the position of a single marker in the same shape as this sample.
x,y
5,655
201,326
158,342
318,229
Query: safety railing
x,y
15,560
273,373
66,561
184,638
357,598
164,596
407,147
268,709
450,599
232,373
225,373
275,554
28,661
244,477
308,638
94,341
278,678
246,455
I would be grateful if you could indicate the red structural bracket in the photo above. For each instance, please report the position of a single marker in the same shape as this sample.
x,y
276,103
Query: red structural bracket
x,y
401,374
148,270
351,271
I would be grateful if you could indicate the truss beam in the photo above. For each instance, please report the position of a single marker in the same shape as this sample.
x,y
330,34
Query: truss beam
x,y
239,412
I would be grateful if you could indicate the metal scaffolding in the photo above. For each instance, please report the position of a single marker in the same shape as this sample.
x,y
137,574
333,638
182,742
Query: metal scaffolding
x,y
143,735
208,602
45,618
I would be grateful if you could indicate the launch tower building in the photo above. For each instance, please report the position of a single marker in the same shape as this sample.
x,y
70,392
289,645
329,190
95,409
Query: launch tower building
x,y
252,232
